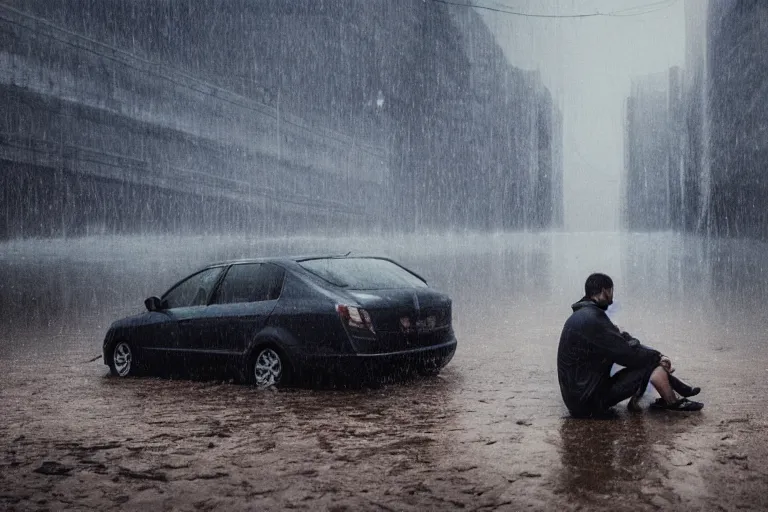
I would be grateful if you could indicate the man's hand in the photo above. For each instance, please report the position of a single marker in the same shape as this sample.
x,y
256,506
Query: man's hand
x,y
666,363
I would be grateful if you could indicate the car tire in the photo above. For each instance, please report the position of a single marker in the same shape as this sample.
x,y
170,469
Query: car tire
x,y
122,360
268,367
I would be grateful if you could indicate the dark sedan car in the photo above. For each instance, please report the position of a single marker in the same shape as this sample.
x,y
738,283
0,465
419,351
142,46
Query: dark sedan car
x,y
275,320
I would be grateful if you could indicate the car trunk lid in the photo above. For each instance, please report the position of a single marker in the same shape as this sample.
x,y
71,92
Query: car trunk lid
x,y
405,318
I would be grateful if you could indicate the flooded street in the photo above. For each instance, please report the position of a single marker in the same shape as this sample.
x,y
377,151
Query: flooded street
x,y
490,432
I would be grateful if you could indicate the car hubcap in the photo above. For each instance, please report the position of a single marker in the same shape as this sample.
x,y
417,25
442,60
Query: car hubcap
x,y
268,368
122,359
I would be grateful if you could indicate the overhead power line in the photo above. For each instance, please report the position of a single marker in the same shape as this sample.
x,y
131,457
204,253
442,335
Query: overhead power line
x,y
644,9
631,11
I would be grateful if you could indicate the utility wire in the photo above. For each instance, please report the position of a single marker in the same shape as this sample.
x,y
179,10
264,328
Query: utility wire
x,y
652,7
644,9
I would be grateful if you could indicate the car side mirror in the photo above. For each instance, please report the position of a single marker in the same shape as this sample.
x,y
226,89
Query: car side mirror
x,y
155,304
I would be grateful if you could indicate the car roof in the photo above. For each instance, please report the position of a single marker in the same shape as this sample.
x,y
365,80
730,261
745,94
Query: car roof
x,y
292,259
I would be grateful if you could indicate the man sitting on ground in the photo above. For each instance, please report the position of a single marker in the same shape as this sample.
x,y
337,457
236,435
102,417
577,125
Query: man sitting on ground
x,y
589,346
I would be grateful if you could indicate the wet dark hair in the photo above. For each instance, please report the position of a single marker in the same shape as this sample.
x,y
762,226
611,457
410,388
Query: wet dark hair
x,y
596,283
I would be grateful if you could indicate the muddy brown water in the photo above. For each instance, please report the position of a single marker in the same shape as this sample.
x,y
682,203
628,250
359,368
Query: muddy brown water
x,y
489,433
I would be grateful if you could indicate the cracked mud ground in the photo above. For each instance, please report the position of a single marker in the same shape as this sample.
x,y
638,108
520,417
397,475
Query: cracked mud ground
x,y
490,433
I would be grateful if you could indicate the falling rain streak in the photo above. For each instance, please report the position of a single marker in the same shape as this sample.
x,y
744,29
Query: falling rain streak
x,y
503,152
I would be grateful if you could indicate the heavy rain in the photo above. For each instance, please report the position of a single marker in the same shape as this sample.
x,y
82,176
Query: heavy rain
x,y
503,150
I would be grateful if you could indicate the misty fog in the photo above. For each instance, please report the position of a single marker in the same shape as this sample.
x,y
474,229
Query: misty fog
x,y
502,149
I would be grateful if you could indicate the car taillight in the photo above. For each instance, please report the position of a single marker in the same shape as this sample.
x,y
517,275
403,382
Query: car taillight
x,y
355,318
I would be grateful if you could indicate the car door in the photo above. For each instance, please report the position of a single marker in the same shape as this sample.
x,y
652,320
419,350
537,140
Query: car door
x,y
242,304
155,336
187,305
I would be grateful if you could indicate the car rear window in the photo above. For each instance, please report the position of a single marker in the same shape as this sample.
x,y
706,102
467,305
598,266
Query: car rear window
x,y
362,273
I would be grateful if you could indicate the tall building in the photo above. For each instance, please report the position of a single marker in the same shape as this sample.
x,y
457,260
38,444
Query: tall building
x,y
267,117
654,152
696,188
737,103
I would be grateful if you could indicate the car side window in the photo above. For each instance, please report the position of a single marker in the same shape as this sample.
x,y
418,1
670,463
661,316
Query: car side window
x,y
193,291
250,282
271,281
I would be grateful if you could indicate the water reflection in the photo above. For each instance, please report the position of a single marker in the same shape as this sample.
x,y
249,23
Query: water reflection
x,y
622,457
601,457
410,421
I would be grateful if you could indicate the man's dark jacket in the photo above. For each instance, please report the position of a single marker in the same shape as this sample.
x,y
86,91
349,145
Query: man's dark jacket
x,y
589,345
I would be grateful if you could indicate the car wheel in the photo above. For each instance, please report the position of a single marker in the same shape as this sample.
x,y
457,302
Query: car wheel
x,y
268,368
123,361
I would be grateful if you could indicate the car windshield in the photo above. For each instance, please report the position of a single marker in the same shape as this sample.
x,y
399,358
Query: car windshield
x,y
362,273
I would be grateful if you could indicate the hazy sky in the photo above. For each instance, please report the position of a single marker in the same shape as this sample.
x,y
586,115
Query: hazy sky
x,y
587,63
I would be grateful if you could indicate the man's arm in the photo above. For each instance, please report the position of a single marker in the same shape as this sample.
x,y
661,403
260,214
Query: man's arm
x,y
622,348
665,362
631,340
